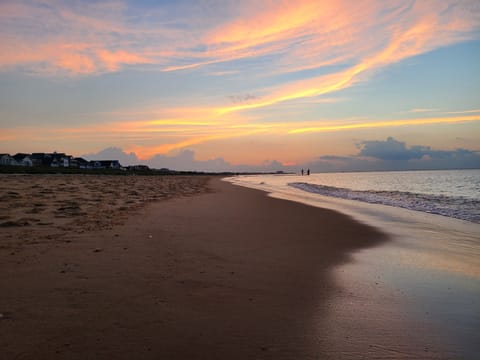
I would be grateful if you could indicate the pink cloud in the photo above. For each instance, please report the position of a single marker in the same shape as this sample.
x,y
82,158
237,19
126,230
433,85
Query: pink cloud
x,y
102,37
415,32
53,38
75,63
112,60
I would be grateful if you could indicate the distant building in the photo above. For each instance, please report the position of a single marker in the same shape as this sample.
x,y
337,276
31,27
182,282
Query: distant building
x,y
78,162
21,159
55,163
27,161
58,160
138,167
38,159
51,159
104,164
6,159
65,161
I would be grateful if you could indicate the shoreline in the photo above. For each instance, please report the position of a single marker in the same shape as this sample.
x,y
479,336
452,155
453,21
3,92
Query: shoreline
x,y
427,271
230,273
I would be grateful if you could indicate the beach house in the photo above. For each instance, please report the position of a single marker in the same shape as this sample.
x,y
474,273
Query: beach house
x,y
6,159
104,164
21,159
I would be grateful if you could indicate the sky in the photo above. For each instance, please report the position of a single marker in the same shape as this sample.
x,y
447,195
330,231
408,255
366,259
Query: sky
x,y
244,85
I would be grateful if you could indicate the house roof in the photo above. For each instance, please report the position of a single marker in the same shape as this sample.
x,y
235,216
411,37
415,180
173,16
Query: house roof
x,y
20,156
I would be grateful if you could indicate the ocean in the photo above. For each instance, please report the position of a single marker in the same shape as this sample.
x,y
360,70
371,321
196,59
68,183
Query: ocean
x,y
427,277
452,193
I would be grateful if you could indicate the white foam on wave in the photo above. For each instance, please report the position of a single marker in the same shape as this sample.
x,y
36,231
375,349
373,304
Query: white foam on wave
x,y
454,207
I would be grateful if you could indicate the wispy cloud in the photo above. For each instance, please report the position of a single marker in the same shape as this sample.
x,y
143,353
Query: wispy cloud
x,y
295,53
422,110
57,36
161,136
416,31
381,124
474,111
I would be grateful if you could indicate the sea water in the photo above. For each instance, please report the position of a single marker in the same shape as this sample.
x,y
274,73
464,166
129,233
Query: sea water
x,y
428,274
452,193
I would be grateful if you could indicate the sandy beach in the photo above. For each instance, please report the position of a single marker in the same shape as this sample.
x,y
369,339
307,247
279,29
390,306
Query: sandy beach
x,y
172,268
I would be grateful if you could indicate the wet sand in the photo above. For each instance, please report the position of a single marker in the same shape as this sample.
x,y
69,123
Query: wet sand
x,y
229,273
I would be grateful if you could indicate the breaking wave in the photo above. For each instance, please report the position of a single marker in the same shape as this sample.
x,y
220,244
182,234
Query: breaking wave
x,y
454,207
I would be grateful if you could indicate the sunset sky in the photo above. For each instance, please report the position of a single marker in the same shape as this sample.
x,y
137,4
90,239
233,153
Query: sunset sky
x,y
334,85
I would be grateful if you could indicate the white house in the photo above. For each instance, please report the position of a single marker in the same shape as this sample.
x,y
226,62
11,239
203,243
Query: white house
x,y
6,159
27,161
65,161
21,159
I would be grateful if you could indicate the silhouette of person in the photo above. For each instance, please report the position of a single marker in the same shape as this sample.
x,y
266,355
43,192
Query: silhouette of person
x,y
302,172
308,172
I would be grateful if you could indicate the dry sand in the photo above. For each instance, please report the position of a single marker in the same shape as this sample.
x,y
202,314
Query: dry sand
x,y
87,273
45,208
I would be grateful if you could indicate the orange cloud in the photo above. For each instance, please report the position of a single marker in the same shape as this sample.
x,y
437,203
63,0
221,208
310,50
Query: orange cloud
x,y
145,152
301,34
160,136
407,40
269,25
464,111
112,60
67,38
390,123
270,28
302,89
75,63
311,34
